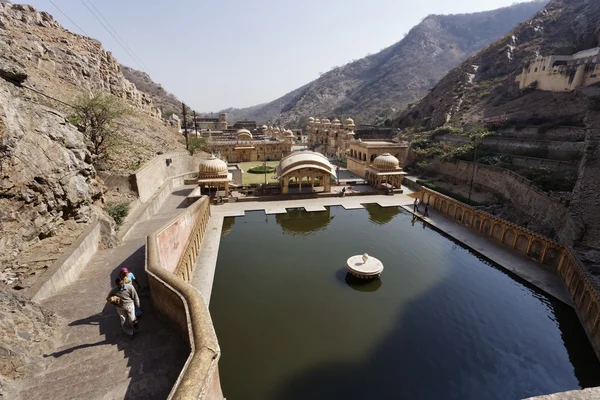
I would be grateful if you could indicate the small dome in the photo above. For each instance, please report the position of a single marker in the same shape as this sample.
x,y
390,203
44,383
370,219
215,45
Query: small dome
x,y
386,161
213,165
244,134
336,122
317,121
310,119
349,122
264,127
326,122
288,133
277,129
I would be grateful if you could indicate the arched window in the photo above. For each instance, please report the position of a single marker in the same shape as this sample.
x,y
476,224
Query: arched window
x,y
360,155
373,157
364,158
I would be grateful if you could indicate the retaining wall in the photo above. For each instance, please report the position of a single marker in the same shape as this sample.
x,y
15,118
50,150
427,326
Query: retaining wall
x,y
561,133
152,176
583,287
67,268
170,255
550,211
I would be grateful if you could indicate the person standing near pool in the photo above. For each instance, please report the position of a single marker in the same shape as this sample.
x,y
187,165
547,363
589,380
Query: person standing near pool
x,y
426,213
416,205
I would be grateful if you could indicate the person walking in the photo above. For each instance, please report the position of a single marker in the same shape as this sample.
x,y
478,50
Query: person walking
x,y
125,299
129,278
426,213
416,205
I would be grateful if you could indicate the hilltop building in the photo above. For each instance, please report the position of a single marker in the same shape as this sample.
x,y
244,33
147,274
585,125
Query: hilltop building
x,y
244,146
207,123
562,73
362,153
330,138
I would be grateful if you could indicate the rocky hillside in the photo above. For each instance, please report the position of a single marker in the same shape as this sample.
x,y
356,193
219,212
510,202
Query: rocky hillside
x,y
484,85
372,88
165,101
49,187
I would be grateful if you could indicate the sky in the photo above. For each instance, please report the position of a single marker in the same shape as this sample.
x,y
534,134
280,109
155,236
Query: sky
x,y
215,54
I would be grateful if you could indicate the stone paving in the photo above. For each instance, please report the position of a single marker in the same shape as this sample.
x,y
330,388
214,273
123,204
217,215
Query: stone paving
x,y
93,359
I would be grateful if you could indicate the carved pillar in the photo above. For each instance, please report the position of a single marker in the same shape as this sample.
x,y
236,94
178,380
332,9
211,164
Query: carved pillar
x,y
544,253
529,245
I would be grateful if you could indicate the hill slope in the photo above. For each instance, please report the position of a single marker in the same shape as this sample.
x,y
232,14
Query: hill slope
x,y
399,74
484,85
165,101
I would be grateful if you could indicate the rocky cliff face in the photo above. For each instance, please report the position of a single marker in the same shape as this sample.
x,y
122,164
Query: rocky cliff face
x,y
162,99
372,88
484,85
49,188
61,62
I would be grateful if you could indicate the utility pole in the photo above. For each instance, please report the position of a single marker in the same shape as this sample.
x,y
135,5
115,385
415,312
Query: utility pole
x,y
265,160
185,132
195,126
474,165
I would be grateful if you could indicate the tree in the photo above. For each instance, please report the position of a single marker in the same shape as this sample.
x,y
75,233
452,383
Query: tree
x,y
96,116
197,143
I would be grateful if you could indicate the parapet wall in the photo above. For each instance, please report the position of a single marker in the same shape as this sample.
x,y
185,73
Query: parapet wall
x,y
550,211
152,176
582,286
170,250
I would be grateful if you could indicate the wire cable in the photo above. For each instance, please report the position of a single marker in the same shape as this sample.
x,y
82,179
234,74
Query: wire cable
x,y
119,36
67,17
111,34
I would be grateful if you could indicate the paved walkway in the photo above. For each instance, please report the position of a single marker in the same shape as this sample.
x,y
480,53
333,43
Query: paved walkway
x,y
93,359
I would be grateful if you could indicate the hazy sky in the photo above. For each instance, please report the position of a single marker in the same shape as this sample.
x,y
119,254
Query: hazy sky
x,y
224,53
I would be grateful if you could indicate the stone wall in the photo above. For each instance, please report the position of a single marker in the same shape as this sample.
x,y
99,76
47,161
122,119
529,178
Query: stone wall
x,y
153,175
556,150
522,193
582,285
183,305
560,133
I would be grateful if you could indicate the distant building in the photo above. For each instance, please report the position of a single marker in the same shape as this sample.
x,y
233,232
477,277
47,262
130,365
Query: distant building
x,y
243,146
562,73
362,153
330,138
250,125
208,123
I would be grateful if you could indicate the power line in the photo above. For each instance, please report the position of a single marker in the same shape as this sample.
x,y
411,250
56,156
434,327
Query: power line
x,y
111,34
20,84
119,36
67,17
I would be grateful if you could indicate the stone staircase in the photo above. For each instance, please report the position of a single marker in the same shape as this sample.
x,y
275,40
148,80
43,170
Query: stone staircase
x,y
92,358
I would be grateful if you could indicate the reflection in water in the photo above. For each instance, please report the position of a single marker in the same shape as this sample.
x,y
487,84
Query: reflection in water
x,y
381,215
298,222
227,226
362,285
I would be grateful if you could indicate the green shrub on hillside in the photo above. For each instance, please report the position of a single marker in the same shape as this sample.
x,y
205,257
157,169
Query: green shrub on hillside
x,y
118,212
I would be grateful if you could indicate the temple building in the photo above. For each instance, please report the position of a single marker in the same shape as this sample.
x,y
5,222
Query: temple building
x,y
330,138
385,172
207,123
561,73
362,153
244,146
305,171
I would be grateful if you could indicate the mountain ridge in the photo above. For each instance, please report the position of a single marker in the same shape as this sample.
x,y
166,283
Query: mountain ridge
x,y
376,86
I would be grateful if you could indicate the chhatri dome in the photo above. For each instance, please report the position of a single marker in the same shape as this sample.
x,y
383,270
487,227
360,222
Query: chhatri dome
x,y
244,134
349,122
288,133
326,122
213,166
310,119
386,161
336,122
317,121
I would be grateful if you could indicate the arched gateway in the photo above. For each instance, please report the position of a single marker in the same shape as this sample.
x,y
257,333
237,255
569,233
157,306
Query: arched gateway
x,y
306,169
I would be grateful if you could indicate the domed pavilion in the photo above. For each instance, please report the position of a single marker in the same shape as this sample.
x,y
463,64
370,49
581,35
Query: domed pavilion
x,y
213,177
306,169
385,172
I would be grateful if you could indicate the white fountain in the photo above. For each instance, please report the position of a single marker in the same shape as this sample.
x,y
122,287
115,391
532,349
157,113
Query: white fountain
x,y
365,266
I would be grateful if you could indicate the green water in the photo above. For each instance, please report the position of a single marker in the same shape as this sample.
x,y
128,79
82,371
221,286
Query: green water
x,y
442,323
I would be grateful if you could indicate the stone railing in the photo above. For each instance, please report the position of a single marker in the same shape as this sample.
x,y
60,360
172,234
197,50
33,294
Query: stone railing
x,y
585,293
170,253
582,286
540,248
